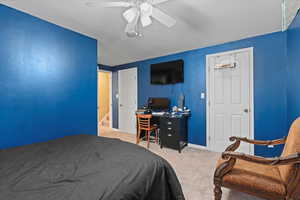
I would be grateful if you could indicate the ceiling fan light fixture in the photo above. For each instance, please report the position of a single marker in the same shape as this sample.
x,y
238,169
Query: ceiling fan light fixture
x,y
133,34
146,8
140,13
132,28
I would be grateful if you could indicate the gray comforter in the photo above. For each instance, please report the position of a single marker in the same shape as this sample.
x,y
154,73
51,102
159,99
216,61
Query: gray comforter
x,y
85,167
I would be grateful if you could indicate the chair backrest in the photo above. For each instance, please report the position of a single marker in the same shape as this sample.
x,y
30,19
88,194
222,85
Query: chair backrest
x,y
144,122
291,147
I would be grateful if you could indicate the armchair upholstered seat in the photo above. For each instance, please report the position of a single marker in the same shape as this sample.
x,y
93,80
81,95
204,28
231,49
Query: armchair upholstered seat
x,y
251,178
269,178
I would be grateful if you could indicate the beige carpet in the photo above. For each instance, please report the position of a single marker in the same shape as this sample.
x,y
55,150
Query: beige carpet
x,y
193,167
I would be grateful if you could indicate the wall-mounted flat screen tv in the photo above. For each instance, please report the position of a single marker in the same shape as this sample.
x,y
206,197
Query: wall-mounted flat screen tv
x,y
167,72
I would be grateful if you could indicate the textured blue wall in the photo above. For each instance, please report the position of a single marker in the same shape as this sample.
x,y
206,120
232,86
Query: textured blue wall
x,y
48,80
293,47
269,87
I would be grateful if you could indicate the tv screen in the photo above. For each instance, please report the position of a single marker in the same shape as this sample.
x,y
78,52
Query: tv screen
x,y
167,73
159,103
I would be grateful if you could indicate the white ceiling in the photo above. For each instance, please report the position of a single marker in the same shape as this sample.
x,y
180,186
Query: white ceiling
x,y
200,23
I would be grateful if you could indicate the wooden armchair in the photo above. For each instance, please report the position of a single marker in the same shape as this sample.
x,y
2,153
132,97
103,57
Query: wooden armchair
x,y
269,178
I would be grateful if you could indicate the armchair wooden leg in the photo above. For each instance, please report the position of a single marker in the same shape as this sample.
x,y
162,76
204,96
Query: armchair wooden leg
x,y
218,192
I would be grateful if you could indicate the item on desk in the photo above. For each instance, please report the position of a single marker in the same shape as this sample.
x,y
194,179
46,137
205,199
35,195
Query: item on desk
x,y
143,111
186,111
159,104
174,114
158,113
181,101
175,109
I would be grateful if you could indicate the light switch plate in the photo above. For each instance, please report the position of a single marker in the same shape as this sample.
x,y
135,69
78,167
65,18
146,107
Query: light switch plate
x,y
202,95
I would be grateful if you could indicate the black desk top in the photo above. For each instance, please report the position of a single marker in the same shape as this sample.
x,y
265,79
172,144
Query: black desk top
x,y
166,114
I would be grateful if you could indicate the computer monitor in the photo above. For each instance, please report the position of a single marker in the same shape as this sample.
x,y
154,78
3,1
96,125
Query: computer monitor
x,y
159,104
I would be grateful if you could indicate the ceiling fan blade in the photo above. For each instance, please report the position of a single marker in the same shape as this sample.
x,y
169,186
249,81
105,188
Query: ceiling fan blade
x,y
109,4
155,2
146,12
163,17
116,4
146,20
130,14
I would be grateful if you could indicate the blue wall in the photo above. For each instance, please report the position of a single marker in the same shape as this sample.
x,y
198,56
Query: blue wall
x,y
293,47
269,87
48,80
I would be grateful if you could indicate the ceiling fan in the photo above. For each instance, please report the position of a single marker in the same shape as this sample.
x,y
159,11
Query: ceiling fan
x,y
140,12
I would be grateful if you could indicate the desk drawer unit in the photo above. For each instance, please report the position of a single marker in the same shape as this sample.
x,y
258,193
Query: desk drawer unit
x,y
173,132
169,138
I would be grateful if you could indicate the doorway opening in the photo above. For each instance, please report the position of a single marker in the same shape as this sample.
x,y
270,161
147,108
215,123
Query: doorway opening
x,y
128,97
104,100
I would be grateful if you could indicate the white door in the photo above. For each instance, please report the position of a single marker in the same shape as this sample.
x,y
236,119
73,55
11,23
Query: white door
x,y
127,100
230,99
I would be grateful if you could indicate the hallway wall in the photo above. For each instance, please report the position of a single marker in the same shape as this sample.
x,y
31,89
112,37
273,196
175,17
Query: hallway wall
x,y
103,94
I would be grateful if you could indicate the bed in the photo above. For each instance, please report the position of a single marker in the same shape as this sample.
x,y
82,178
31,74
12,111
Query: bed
x,y
86,167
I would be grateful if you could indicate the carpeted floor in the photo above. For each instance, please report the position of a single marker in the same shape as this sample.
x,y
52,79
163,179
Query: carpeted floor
x,y
193,167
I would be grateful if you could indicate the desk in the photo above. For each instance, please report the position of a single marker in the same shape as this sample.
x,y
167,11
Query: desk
x,y
173,130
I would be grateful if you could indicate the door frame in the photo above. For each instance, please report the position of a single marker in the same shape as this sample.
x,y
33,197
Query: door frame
x,y
119,89
250,50
110,99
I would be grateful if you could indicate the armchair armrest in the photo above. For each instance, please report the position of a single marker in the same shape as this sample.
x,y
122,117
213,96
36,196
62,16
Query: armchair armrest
x,y
259,142
293,159
230,157
238,141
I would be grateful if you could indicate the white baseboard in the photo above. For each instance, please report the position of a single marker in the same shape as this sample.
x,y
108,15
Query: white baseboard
x,y
195,146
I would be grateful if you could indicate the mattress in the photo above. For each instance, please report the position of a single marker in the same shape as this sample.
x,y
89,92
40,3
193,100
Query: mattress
x,y
86,167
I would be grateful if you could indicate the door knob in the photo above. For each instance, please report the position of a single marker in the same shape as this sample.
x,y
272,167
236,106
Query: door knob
x,y
246,110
